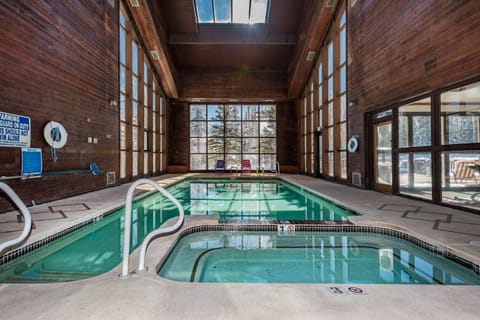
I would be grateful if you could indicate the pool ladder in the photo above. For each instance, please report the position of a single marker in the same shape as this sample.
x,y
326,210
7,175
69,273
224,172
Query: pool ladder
x,y
152,235
27,218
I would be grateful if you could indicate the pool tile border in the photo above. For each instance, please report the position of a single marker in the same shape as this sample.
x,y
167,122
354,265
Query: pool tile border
x,y
438,250
40,243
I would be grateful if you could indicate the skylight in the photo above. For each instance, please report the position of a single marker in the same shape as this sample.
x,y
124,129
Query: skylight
x,y
231,11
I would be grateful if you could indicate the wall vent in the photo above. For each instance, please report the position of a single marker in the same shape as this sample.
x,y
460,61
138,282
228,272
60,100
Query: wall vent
x,y
357,179
329,3
134,3
154,55
430,65
110,178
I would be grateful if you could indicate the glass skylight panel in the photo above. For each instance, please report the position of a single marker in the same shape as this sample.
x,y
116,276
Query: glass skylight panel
x,y
231,11
258,11
205,11
241,11
222,11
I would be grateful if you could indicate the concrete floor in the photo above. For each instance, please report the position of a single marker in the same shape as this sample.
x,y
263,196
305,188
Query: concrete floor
x,y
147,296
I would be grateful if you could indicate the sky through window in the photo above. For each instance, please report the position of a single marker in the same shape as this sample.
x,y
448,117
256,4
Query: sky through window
x,y
231,11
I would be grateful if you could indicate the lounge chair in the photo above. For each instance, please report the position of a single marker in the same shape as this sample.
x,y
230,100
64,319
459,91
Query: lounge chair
x,y
246,166
220,166
464,170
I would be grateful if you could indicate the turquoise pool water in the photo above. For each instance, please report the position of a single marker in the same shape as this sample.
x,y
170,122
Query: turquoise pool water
x,y
308,257
96,248
246,199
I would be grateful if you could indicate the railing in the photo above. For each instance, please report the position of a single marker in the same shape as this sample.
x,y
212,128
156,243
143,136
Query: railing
x,y
278,168
26,217
153,234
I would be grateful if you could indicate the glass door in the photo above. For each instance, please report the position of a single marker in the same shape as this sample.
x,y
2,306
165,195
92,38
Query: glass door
x,y
382,156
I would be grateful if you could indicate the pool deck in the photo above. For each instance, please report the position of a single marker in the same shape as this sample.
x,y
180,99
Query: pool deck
x,y
147,296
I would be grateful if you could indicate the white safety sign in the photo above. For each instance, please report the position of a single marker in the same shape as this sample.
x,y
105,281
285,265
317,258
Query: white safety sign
x,y
14,130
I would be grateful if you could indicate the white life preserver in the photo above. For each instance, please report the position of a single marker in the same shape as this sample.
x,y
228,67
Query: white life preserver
x,y
55,134
352,144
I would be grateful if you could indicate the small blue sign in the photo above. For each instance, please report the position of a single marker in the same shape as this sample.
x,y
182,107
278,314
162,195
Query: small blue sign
x,y
14,130
31,161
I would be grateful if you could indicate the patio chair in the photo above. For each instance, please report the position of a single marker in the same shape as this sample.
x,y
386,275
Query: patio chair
x,y
246,166
220,166
464,170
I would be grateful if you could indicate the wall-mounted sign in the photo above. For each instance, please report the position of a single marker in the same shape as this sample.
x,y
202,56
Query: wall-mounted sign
x,y
31,162
14,130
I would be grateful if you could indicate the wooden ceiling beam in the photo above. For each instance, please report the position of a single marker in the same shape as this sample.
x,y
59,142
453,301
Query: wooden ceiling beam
x,y
232,35
152,39
319,18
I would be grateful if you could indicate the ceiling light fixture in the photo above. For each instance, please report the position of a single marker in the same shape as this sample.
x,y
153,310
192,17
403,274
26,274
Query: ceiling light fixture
x,y
310,55
329,3
154,54
134,3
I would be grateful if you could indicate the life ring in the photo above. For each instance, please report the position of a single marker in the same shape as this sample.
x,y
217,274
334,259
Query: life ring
x,y
55,134
352,144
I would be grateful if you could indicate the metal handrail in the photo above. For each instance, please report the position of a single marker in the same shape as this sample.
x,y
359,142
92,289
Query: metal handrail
x,y
278,168
153,234
26,217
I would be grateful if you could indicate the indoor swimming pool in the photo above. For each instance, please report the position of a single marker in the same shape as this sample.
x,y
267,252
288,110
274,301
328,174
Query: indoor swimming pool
x,y
97,247
309,257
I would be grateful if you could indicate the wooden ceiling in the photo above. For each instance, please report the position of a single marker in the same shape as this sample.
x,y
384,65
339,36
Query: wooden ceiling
x,y
251,62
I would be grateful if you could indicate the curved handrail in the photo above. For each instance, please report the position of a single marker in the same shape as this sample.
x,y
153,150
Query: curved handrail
x,y
153,234
26,217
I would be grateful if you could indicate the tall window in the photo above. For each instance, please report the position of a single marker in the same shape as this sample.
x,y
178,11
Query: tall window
x,y
232,133
123,94
320,116
311,129
304,116
134,119
155,130
330,112
343,95
146,120
329,108
162,137
141,109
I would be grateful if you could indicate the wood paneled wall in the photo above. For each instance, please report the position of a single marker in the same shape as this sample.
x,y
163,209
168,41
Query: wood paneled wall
x,y
59,61
228,83
400,49
288,142
178,143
